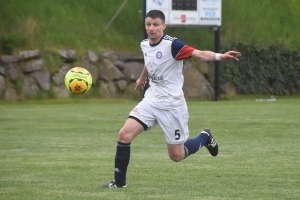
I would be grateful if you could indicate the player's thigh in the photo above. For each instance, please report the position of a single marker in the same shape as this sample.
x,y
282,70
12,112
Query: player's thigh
x,y
130,130
140,119
144,114
174,124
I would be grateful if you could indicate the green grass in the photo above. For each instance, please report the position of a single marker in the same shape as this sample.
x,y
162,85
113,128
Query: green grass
x,y
58,24
64,149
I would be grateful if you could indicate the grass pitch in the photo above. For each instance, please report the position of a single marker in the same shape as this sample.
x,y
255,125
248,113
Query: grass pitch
x,y
65,150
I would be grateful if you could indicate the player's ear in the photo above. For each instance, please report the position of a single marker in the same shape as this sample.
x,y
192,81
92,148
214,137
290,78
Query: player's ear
x,y
164,26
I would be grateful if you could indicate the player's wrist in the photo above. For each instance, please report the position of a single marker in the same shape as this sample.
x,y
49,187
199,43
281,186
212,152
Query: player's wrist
x,y
218,56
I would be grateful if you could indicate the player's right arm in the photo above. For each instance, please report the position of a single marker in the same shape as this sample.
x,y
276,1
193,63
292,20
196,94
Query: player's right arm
x,y
141,82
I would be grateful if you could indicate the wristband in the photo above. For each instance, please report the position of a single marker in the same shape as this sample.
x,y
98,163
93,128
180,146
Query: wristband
x,y
218,56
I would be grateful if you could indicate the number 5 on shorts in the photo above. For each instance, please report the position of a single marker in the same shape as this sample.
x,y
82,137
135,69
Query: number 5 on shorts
x,y
177,134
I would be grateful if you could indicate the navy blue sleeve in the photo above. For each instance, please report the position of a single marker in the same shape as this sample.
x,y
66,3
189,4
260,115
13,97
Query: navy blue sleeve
x,y
176,47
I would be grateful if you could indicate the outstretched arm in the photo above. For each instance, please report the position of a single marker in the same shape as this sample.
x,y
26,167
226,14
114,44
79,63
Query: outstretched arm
x,y
212,56
141,82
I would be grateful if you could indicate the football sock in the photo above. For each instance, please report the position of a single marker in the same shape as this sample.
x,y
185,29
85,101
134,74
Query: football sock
x,y
121,162
191,146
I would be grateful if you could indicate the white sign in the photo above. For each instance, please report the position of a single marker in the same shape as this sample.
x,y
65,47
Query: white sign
x,y
184,18
192,12
162,5
210,12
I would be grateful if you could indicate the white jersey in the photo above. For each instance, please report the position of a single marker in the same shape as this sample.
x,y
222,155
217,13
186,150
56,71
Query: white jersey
x,y
164,63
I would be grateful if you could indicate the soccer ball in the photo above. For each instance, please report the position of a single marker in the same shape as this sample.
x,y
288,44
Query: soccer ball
x,y
78,80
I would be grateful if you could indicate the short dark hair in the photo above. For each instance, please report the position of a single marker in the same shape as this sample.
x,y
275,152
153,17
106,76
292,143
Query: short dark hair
x,y
156,14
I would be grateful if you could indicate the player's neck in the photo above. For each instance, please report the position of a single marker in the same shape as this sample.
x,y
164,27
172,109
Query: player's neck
x,y
154,41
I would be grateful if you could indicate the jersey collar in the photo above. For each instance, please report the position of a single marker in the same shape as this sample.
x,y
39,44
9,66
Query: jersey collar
x,y
153,45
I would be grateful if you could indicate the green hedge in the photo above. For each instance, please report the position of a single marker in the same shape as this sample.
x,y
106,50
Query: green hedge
x,y
271,70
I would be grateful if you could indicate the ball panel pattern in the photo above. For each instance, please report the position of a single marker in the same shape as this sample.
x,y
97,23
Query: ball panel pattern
x,y
78,80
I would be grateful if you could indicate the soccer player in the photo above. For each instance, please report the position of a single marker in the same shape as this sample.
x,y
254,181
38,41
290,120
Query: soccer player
x,y
164,101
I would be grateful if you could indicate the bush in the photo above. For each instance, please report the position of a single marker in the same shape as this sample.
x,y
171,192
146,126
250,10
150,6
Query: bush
x,y
8,43
263,70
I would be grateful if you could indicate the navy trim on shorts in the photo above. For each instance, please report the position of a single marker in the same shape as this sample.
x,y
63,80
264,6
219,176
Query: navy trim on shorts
x,y
139,121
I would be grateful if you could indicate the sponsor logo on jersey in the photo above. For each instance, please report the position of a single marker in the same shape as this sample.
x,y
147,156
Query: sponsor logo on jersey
x,y
136,110
158,54
155,79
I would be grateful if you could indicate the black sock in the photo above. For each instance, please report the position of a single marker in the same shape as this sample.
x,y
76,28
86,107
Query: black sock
x,y
121,162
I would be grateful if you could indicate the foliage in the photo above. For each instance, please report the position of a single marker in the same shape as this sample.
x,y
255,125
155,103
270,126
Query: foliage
x,y
72,24
65,24
9,42
263,70
263,22
80,25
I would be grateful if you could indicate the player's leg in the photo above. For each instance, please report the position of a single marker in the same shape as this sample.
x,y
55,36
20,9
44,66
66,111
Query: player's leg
x,y
178,144
174,123
127,133
130,130
205,138
178,152
139,120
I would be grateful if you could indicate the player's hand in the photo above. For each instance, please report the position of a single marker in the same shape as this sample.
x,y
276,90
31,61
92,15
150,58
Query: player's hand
x,y
140,84
231,55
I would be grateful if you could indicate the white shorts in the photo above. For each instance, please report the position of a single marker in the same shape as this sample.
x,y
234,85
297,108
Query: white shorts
x,y
174,122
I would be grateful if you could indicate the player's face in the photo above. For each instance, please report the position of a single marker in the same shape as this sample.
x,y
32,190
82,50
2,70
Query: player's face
x,y
155,29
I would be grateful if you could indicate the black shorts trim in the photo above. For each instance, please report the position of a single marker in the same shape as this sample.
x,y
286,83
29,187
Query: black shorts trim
x,y
139,121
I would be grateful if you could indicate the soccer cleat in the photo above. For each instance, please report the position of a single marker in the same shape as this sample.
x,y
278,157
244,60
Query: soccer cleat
x,y
113,185
211,144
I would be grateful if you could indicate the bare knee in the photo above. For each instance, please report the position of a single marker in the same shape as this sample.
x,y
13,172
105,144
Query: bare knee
x,y
125,135
176,158
129,131
176,152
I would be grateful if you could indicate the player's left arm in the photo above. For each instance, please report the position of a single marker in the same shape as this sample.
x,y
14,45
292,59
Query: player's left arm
x,y
212,56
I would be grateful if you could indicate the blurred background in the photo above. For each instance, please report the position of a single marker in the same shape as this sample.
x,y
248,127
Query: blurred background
x,y
78,24
265,31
